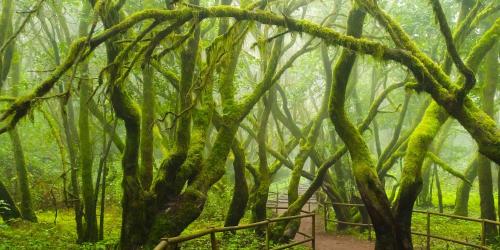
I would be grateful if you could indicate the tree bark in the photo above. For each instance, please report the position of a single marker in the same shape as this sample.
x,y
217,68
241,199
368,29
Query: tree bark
x,y
463,189
86,154
22,177
8,208
369,186
6,61
239,199
484,167
133,230
147,124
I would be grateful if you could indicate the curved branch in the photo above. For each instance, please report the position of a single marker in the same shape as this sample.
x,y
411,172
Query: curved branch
x,y
447,167
434,81
470,79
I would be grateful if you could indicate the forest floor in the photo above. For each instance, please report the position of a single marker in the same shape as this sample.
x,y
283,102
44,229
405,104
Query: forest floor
x,y
61,235
329,240
324,240
53,234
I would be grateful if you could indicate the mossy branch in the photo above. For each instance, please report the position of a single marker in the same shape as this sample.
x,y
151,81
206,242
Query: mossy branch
x,y
447,167
436,82
22,105
11,38
470,79
464,26
169,75
492,8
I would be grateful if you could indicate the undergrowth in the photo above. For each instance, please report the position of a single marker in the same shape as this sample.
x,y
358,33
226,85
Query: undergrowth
x,y
60,233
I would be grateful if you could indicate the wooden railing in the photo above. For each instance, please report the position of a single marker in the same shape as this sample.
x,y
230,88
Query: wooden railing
x,y
275,203
427,233
173,241
326,217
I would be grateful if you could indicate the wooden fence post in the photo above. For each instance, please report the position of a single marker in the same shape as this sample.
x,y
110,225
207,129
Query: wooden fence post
x,y
213,241
428,230
313,231
277,200
325,215
483,235
268,231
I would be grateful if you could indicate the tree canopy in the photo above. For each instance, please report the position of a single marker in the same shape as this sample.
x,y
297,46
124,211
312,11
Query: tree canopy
x,y
157,110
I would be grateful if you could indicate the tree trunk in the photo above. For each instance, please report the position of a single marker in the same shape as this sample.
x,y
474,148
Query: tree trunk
x,y
437,145
463,189
259,209
8,208
307,148
133,230
68,121
22,177
86,154
6,61
147,123
484,167
86,162
369,185
438,189
239,199
434,117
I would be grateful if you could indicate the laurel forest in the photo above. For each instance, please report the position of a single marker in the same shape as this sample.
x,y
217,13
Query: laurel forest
x,y
139,124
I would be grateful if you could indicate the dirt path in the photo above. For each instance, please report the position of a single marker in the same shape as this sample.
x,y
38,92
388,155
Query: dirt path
x,y
326,240
330,241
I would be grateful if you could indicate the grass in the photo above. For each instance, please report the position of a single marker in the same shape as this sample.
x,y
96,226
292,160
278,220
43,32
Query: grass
x,y
213,216
60,235
456,229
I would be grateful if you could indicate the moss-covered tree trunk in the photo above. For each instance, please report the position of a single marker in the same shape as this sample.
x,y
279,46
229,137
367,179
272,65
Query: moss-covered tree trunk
x,y
22,177
68,118
6,61
424,198
464,188
260,196
369,186
86,154
8,208
306,149
72,145
240,195
411,180
5,32
438,189
435,116
133,230
86,162
239,199
483,165
147,123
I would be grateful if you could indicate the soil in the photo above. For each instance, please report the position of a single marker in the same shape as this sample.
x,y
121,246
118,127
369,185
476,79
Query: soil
x,y
325,240
331,241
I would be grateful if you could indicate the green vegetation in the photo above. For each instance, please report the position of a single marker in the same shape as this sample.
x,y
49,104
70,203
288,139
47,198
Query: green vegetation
x,y
123,123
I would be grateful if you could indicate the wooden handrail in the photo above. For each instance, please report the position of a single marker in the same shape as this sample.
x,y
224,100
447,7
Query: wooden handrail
x,y
165,241
427,233
351,223
450,240
449,215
